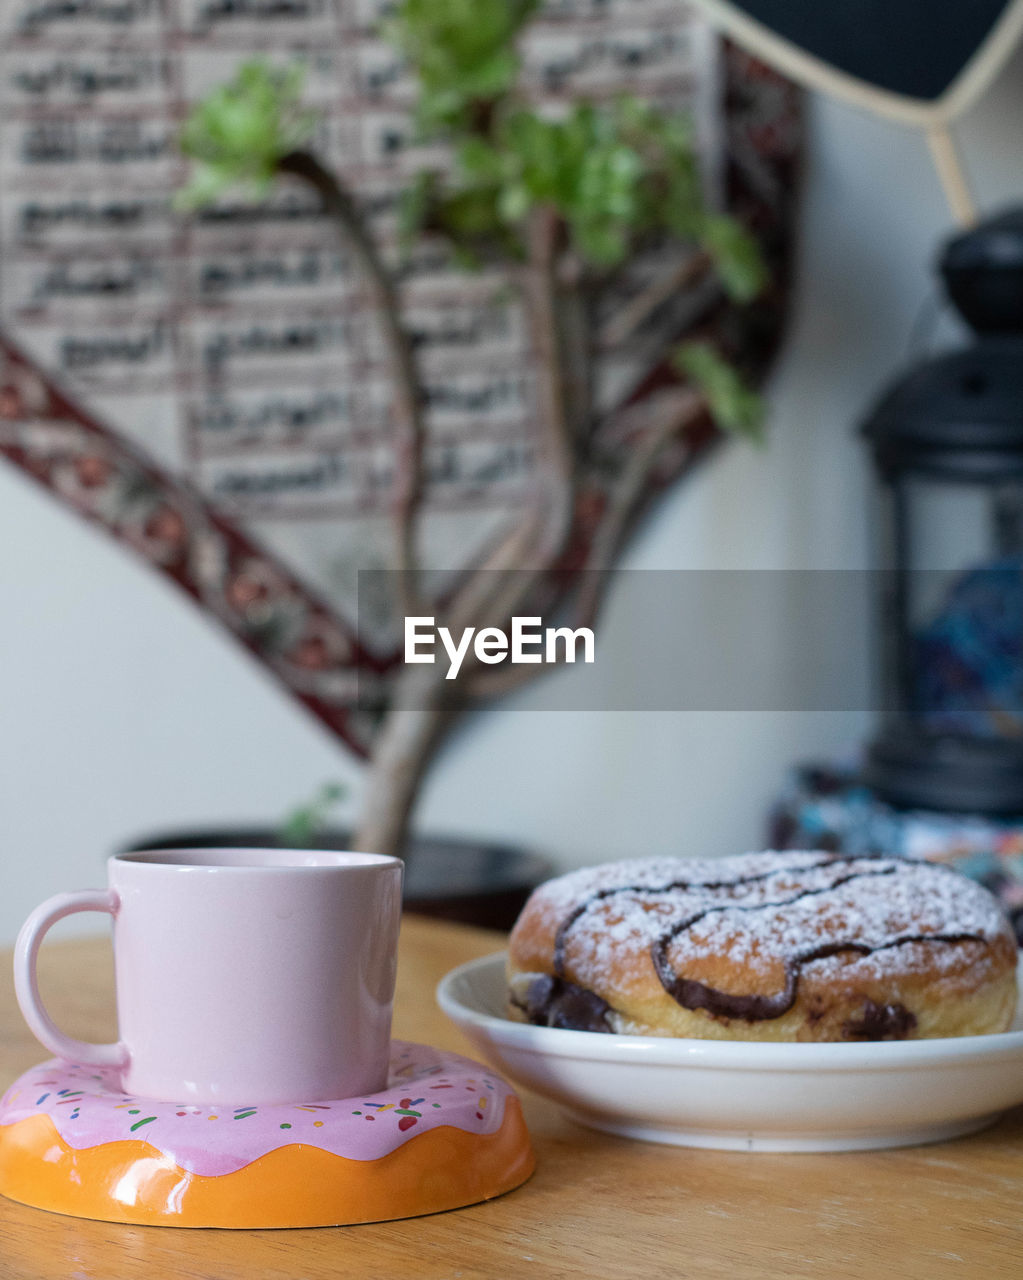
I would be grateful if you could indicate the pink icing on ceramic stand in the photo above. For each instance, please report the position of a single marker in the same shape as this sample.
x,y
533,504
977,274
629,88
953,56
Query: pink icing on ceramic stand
x,y
427,1089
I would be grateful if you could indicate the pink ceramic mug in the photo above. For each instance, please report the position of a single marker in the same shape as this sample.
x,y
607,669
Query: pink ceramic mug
x,y
243,976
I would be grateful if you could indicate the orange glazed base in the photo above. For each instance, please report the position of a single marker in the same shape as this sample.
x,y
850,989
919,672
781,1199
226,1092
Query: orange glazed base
x,y
132,1181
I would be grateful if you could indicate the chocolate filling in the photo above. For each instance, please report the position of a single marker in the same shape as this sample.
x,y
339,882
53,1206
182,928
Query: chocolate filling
x,y
555,1002
880,1022
755,1007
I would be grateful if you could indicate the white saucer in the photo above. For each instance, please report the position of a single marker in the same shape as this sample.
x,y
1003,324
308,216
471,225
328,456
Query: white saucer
x,y
743,1096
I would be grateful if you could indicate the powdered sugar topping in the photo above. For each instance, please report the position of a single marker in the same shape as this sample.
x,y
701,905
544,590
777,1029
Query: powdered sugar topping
x,y
763,908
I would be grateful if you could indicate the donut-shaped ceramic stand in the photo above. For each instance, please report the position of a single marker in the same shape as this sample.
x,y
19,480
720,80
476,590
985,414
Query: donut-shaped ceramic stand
x,y
445,1132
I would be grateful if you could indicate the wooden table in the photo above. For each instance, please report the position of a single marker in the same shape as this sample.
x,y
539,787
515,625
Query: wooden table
x,y
597,1206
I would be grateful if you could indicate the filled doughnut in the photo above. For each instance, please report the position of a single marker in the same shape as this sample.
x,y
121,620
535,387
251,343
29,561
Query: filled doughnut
x,y
765,946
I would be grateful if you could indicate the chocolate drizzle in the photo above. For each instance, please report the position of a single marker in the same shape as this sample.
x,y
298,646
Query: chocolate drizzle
x,y
672,885
756,1008
879,1021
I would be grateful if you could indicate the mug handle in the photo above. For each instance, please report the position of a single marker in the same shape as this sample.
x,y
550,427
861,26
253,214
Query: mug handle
x,y
26,985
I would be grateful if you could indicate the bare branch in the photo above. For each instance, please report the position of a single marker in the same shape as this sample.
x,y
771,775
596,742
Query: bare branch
x,y
511,553
484,685
661,417
400,756
477,683
574,302
557,453
623,324
538,538
667,415
408,395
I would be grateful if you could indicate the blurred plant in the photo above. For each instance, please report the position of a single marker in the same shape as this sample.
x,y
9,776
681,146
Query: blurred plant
x,y
734,405
562,203
306,822
463,52
239,132
613,174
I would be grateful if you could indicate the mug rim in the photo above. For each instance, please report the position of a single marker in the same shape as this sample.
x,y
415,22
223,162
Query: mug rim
x,y
239,858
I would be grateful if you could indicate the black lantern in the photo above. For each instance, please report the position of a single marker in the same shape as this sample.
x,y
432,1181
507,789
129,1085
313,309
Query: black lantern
x,y
948,446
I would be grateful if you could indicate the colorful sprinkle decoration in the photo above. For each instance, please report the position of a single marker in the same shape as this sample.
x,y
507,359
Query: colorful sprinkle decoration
x,y
101,1112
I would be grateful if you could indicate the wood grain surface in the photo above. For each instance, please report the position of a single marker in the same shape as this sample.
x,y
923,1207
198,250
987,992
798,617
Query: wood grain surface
x,y
597,1206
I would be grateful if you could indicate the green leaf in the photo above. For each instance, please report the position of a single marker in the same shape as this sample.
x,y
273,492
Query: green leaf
x,y
615,172
514,202
733,405
239,131
463,52
208,183
736,255
479,160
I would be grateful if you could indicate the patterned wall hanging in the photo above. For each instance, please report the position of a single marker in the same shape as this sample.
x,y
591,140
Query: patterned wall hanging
x,y
210,389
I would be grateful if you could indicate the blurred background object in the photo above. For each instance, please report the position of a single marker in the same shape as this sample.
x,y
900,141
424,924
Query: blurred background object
x,y
476,882
947,441
943,777
262,407
138,716
948,446
830,807
921,62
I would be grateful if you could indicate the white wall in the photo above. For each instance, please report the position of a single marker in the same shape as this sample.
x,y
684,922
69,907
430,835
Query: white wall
x,y
122,710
